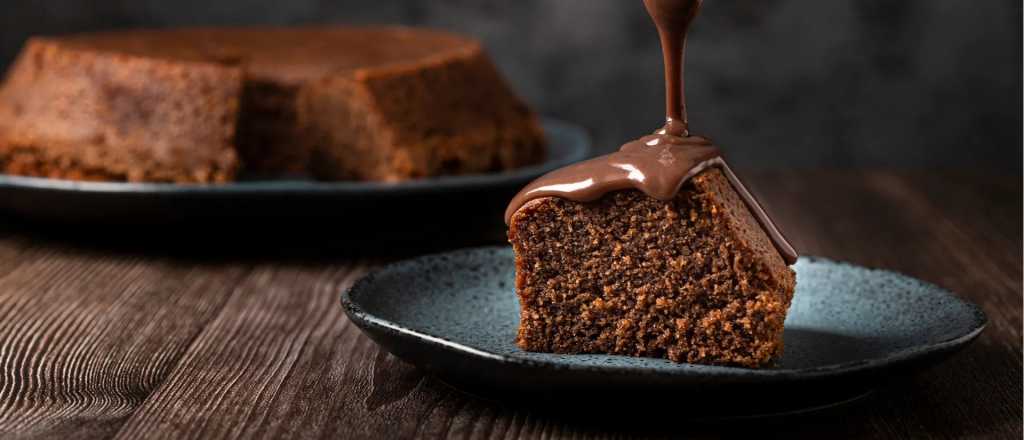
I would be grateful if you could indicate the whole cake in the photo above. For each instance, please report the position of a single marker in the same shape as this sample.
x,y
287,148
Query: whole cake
x,y
198,105
655,250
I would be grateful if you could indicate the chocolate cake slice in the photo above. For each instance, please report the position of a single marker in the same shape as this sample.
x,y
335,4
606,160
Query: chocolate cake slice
x,y
655,250
693,279
198,105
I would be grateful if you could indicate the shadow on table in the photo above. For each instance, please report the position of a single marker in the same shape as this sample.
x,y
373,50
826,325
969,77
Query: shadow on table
x,y
850,406
934,401
685,414
642,410
262,238
855,408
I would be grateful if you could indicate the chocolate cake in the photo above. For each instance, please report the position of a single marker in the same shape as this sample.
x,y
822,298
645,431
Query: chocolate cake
x,y
693,279
198,105
655,250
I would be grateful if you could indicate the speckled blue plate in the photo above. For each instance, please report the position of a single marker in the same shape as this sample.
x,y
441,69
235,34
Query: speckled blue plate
x,y
456,314
459,207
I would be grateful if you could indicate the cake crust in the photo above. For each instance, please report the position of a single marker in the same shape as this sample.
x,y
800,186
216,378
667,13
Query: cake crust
x,y
694,279
449,115
67,113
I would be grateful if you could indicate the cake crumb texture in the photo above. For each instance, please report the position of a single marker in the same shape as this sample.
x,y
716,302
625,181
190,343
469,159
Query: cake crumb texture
x,y
694,279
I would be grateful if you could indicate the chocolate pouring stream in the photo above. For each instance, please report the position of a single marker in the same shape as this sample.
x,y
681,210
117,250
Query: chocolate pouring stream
x,y
658,164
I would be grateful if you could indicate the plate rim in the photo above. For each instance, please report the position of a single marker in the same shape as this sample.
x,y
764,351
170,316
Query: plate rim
x,y
363,318
580,147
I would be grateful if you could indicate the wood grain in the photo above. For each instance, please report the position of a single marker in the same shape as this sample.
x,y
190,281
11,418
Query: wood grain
x,y
86,338
100,343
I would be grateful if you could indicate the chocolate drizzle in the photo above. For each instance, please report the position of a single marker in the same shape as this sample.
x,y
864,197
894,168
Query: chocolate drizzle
x,y
673,18
658,164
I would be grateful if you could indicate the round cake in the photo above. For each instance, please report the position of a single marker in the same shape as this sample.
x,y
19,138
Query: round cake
x,y
198,105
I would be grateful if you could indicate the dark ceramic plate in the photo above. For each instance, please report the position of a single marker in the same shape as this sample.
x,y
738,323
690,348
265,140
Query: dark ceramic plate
x,y
445,208
456,315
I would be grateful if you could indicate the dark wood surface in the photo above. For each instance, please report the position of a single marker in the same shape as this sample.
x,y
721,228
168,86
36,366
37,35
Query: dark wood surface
x,y
100,342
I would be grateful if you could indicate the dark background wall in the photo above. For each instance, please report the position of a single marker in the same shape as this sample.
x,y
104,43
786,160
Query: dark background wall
x,y
778,83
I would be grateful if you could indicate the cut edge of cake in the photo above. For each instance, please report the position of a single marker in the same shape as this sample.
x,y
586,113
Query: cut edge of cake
x,y
694,279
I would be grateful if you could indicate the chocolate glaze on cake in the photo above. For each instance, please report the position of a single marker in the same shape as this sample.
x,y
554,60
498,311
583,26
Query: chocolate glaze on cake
x,y
658,164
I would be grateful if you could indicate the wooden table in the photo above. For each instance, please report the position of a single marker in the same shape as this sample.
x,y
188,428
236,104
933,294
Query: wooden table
x,y
98,342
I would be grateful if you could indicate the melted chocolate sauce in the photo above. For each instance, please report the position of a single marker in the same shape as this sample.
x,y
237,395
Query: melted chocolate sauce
x,y
658,164
673,18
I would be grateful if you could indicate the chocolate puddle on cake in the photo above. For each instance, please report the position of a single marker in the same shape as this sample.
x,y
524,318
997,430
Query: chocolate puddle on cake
x,y
656,250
